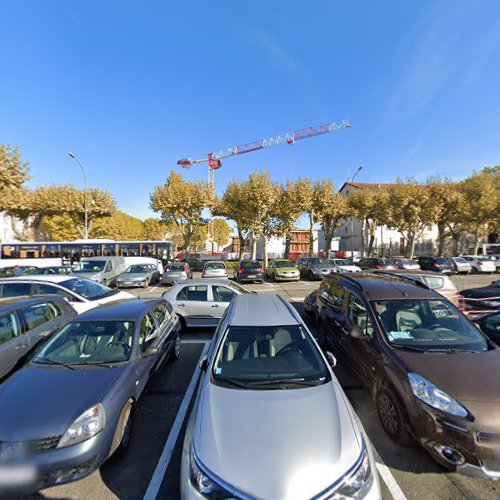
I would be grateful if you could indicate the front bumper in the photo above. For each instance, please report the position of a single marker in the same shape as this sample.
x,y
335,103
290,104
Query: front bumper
x,y
478,450
170,279
56,466
131,284
287,277
257,276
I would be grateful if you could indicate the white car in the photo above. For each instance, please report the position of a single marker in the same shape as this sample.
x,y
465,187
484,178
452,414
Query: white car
x,y
480,264
345,266
81,293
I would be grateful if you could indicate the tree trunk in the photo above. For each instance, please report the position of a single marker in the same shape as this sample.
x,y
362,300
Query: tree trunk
x,y
363,237
242,243
187,244
253,247
329,239
476,239
370,243
410,247
311,232
288,243
441,238
265,252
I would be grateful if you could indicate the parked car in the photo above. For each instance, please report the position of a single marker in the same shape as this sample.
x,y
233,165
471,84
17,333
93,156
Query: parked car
x,y
104,270
490,325
81,293
282,270
12,271
409,264
416,352
314,268
139,275
214,269
439,283
26,321
201,303
54,270
249,271
480,264
376,263
460,265
435,264
310,303
176,271
262,347
482,298
71,404
344,266
195,264
496,260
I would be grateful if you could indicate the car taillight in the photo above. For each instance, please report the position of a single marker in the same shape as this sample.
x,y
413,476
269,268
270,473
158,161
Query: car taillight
x,y
378,266
241,270
434,264
479,263
261,270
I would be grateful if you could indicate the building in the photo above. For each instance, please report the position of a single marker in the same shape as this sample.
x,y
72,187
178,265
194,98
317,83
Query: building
x,y
388,241
10,227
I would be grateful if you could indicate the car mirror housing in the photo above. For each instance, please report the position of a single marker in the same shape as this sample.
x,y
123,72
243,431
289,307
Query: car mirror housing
x,y
357,332
203,364
332,361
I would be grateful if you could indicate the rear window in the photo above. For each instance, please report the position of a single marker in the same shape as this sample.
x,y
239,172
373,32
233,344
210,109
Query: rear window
x,y
442,262
215,265
459,260
175,267
249,265
483,259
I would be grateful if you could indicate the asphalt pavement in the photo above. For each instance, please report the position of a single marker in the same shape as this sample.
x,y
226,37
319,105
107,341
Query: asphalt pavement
x,y
152,464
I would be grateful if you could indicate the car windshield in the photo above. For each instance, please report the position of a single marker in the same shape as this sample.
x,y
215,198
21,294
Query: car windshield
x,y
284,263
249,265
136,269
89,266
339,262
254,355
215,265
88,342
316,262
386,262
428,325
442,261
460,260
87,288
175,267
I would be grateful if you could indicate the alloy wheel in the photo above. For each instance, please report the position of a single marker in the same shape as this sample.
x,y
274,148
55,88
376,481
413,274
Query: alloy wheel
x,y
388,414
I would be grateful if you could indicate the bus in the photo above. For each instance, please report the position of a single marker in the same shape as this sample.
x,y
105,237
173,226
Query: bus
x,y
59,253
488,249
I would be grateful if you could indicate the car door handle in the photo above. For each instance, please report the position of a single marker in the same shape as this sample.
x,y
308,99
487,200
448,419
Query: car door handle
x,y
20,346
215,305
181,305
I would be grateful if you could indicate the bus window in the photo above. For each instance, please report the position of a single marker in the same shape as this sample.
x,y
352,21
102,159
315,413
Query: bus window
x,y
91,250
148,250
51,250
29,251
109,249
10,252
130,249
163,251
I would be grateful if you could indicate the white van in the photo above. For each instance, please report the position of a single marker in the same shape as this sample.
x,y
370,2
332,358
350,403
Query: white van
x,y
104,270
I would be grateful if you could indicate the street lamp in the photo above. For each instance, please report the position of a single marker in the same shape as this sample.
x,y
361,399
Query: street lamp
x,y
72,155
352,223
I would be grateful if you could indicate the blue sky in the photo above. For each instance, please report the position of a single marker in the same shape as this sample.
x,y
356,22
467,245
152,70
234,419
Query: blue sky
x,y
132,86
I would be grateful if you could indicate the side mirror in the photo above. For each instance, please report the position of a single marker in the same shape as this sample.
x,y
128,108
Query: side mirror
x,y
332,361
203,364
357,333
150,351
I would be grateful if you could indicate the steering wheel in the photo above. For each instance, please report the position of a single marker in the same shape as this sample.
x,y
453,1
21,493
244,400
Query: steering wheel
x,y
289,348
120,343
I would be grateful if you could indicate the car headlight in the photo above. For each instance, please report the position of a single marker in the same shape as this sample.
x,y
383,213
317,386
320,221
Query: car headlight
x,y
358,481
86,426
434,396
204,482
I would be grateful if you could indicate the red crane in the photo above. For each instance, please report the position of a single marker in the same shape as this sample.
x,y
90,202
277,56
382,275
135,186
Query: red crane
x,y
214,159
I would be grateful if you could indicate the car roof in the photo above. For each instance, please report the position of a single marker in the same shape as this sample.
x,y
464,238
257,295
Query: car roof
x,y
272,310
126,309
409,272
214,262
378,286
53,278
26,300
202,281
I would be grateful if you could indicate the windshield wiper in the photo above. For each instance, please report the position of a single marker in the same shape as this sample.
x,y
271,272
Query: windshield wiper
x,y
94,363
409,347
231,381
450,350
53,362
287,381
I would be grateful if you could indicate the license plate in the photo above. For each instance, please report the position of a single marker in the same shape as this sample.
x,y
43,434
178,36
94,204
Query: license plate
x,y
251,276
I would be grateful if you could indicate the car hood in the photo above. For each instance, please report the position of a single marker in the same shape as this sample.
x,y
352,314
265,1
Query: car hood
x,y
464,376
276,443
132,277
353,269
286,269
483,292
43,401
89,276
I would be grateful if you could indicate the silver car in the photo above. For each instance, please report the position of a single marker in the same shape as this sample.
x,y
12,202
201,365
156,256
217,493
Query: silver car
x,y
214,269
176,271
409,264
139,275
314,268
201,303
247,437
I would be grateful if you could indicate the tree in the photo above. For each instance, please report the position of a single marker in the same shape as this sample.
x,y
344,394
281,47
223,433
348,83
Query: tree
x,y
119,227
58,228
154,229
13,175
182,202
219,231
330,208
288,207
305,190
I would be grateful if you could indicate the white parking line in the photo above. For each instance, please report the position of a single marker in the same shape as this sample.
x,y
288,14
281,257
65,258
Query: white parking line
x,y
166,455
155,287
305,283
388,478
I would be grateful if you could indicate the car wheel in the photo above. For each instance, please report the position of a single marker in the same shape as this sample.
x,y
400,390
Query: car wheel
x,y
310,276
176,351
123,430
182,321
392,416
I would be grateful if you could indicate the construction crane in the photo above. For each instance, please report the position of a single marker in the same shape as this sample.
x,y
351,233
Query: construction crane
x,y
214,159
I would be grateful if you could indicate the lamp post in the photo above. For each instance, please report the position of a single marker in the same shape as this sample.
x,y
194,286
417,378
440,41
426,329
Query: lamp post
x,y
352,222
72,155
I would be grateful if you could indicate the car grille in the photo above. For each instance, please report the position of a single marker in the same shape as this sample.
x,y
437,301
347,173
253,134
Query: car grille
x,y
44,444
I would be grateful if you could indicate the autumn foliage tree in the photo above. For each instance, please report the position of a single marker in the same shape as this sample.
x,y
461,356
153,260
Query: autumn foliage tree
x,y
13,175
154,229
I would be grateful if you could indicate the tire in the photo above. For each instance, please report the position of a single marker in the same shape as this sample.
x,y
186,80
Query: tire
x,y
176,350
274,277
123,431
392,416
183,323
310,276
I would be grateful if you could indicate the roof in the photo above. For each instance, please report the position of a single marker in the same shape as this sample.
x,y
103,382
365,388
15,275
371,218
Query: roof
x,y
262,310
203,281
52,278
127,310
384,287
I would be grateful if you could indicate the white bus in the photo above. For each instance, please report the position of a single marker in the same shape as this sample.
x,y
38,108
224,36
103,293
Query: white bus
x,y
56,253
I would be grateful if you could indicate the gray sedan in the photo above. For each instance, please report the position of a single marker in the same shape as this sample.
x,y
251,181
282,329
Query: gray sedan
x,y
69,408
176,271
202,302
315,268
139,275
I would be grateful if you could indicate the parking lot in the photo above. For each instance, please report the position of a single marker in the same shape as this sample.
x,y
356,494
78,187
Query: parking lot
x,y
151,465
